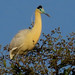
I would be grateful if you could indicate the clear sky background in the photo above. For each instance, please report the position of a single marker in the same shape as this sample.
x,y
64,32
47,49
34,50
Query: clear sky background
x,y
16,15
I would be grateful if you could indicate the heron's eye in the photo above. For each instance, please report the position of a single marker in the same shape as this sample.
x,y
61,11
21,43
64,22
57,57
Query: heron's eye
x,y
40,9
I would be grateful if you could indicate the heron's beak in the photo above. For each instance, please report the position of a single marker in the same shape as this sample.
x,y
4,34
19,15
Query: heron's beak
x,y
42,10
47,14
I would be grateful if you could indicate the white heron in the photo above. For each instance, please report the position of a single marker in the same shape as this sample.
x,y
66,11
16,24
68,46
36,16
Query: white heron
x,y
26,39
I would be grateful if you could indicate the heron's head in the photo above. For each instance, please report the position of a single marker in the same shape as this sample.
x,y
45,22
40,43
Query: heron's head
x,y
41,10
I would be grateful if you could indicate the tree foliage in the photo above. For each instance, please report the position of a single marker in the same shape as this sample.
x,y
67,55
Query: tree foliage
x,y
52,56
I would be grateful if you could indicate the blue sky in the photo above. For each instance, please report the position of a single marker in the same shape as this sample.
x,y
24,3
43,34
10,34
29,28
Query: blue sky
x,y
16,15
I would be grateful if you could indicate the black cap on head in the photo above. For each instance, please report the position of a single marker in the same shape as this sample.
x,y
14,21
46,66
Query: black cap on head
x,y
39,7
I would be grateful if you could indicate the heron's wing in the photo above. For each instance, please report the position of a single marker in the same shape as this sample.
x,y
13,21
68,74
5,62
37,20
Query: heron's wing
x,y
19,38
14,51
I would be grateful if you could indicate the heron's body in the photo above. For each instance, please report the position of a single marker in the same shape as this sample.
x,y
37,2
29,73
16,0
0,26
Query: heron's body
x,y
27,38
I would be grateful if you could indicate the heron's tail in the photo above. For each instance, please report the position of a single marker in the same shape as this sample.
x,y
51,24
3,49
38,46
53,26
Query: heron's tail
x,y
13,53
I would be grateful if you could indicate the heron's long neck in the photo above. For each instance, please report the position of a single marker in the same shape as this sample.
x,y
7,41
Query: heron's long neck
x,y
38,22
36,30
